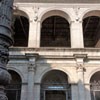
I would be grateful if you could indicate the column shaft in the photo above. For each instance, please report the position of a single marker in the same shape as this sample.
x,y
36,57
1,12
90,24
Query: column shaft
x,y
76,35
38,34
31,83
24,91
81,87
33,34
31,70
74,92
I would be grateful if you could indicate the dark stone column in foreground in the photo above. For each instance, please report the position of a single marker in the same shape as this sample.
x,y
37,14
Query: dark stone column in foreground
x,y
5,41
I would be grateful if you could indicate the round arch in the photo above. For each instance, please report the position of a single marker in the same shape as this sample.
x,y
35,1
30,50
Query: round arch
x,y
21,12
55,82
91,74
70,78
20,26
14,88
54,11
91,28
90,12
17,71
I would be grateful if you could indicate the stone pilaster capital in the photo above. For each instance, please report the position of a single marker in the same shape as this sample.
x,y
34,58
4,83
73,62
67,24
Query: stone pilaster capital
x,y
31,67
79,58
32,57
80,68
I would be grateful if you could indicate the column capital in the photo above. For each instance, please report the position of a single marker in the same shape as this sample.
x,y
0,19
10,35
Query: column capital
x,y
31,60
80,61
80,68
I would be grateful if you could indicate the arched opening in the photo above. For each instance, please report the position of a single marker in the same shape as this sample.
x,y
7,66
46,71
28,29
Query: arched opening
x,y
55,32
91,29
21,30
55,85
95,86
13,90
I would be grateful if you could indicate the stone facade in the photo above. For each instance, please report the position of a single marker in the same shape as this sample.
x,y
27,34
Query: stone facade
x,y
33,62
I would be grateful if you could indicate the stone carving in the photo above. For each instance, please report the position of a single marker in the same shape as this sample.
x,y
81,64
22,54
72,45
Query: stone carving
x,y
36,9
3,97
4,77
6,13
80,67
5,41
31,66
76,10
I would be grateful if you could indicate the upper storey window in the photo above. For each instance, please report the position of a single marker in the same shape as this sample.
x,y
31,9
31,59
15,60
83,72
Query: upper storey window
x,y
91,29
21,31
55,32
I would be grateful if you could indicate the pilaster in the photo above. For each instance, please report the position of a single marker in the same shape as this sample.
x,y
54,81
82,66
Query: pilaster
x,y
31,70
76,34
32,34
80,73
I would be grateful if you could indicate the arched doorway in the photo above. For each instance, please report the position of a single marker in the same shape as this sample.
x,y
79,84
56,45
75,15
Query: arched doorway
x,y
95,86
55,32
55,86
13,90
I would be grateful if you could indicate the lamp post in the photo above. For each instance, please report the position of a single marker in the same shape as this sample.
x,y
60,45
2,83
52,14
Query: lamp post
x,y
5,41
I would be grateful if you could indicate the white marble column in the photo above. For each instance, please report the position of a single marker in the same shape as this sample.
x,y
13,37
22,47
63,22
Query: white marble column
x,y
31,71
34,29
80,73
76,32
38,33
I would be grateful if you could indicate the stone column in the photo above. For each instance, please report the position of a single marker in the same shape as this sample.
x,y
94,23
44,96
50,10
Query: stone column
x,y
74,91
80,72
37,91
38,33
76,34
5,42
24,91
87,91
33,34
31,71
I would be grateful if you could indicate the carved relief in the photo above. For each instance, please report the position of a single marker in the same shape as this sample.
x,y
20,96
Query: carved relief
x,y
5,41
36,9
3,97
31,66
80,67
6,13
76,10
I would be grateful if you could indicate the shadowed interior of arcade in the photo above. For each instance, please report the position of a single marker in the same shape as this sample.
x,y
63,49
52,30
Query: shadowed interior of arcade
x,y
55,86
